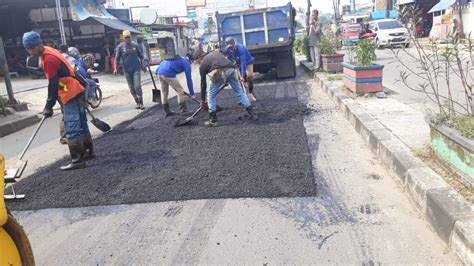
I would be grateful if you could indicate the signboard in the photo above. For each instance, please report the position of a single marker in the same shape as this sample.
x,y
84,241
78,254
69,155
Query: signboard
x,y
195,3
164,8
192,14
84,9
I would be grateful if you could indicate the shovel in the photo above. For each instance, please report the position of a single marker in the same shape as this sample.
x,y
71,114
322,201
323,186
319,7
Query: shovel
x,y
99,124
188,120
156,97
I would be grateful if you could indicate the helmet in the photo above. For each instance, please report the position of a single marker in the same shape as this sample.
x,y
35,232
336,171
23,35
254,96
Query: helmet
x,y
72,51
89,59
230,41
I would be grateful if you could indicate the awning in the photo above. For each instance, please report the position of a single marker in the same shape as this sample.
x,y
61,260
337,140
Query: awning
x,y
115,24
442,5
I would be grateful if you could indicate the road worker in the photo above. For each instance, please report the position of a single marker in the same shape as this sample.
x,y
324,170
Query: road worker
x,y
63,85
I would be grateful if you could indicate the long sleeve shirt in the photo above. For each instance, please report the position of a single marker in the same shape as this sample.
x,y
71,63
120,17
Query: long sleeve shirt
x,y
240,56
171,67
132,56
212,61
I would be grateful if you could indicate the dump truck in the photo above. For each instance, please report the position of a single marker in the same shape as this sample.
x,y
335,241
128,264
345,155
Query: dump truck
x,y
268,34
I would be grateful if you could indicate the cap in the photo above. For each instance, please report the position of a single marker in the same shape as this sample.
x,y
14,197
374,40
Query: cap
x,y
31,39
126,33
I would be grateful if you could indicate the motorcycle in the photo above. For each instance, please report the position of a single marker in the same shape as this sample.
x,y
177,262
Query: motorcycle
x,y
98,92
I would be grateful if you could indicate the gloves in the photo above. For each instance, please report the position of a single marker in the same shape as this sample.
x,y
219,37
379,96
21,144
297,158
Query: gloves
x,y
47,112
203,104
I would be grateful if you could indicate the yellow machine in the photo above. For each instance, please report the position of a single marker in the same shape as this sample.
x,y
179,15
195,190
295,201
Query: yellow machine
x,y
15,247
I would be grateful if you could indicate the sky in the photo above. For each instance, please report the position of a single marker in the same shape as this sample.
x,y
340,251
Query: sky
x,y
322,5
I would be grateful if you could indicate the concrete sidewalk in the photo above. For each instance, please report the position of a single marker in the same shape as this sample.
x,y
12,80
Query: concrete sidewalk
x,y
392,129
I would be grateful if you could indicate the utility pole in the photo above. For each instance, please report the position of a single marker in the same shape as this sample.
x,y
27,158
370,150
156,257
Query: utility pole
x,y
354,6
6,73
59,11
308,16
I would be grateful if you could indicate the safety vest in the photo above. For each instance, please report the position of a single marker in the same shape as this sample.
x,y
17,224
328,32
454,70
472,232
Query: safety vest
x,y
68,87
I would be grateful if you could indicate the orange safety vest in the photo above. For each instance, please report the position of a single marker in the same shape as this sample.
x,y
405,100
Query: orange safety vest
x,y
69,87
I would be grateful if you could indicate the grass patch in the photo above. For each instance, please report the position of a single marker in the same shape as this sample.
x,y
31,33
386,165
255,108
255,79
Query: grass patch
x,y
427,155
462,123
334,77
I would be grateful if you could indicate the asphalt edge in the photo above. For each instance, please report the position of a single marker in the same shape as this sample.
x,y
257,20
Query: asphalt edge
x,y
449,214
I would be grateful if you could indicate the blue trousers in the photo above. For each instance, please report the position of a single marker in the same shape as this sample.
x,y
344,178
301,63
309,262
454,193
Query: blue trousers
x,y
234,82
75,119
134,83
90,88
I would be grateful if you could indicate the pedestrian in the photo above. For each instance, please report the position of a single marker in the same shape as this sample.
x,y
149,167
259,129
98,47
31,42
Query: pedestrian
x,y
457,29
315,33
132,65
167,72
240,56
63,85
220,71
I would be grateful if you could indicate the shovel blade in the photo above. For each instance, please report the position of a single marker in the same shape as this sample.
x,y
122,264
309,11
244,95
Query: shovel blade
x,y
156,97
101,125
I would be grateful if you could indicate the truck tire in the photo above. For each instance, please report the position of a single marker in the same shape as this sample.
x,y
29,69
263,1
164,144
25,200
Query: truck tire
x,y
20,240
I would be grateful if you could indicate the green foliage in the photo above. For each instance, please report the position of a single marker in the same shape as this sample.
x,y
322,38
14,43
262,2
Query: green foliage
x,y
463,123
334,77
301,46
329,43
364,53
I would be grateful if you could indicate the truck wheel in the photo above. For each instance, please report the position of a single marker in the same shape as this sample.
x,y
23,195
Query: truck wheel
x,y
16,239
286,65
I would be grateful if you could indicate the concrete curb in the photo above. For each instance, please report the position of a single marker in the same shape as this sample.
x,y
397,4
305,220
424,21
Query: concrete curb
x,y
18,124
449,214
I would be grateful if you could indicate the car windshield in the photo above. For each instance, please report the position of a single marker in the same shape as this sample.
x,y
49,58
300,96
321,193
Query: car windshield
x,y
389,25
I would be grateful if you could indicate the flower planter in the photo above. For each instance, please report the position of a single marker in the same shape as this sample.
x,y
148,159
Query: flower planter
x,y
332,62
453,151
363,79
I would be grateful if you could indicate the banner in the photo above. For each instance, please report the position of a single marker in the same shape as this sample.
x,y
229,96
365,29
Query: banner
x,y
84,9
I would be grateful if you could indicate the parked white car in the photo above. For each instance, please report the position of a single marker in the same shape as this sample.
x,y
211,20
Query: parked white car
x,y
389,32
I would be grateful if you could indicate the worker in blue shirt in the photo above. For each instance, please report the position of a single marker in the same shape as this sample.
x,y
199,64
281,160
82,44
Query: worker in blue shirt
x,y
238,54
167,72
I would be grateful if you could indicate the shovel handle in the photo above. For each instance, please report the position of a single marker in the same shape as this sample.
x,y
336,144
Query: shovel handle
x,y
189,95
31,138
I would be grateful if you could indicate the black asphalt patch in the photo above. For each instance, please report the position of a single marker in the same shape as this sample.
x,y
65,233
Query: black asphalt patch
x,y
146,159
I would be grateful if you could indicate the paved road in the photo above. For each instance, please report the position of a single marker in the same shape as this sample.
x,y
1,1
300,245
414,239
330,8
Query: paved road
x,y
359,215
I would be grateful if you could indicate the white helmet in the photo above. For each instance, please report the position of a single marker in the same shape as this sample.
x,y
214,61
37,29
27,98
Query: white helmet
x,y
72,51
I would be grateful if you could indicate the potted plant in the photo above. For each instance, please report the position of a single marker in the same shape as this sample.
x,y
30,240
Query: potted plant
x,y
362,75
331,60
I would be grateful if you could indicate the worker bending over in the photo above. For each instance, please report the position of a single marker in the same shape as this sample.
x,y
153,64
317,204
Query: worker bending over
x,y
167,72
220,71
242,58
63,85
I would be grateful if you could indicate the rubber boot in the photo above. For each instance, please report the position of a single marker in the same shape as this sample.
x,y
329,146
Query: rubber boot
x,y
140,103
137,102
252,115
212,122
89,147
77,151
62,135
166,108
183,108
